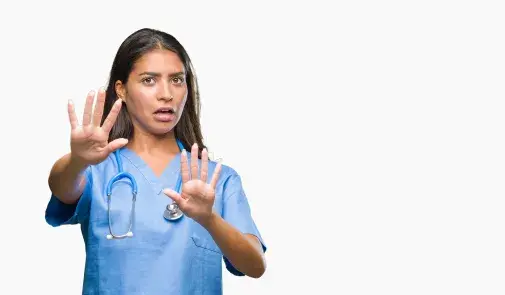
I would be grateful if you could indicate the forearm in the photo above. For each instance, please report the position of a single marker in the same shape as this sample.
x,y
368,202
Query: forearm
x,y
243,251
66,179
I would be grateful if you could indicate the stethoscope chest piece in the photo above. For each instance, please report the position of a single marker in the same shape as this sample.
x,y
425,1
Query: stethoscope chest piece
x,y
172,212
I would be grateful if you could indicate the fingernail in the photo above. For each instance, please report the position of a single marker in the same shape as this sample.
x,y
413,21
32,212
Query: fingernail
x,y
102,89
92,93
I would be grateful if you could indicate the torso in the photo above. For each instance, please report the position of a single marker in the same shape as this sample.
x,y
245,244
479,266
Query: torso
x,y
162,257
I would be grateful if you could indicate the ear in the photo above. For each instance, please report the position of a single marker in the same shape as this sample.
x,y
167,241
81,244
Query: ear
x,y
120,90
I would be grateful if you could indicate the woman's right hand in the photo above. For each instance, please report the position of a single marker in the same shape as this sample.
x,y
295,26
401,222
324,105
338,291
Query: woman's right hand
x,y
89,142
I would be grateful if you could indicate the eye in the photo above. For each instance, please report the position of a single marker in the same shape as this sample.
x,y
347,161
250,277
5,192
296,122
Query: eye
x,y
178,80
148,81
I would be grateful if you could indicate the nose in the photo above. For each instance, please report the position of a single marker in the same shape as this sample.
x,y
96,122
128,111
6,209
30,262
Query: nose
x,y
165,93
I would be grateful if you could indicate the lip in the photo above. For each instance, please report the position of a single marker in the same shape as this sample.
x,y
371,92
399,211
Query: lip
x,y
164,117
165,114
165,109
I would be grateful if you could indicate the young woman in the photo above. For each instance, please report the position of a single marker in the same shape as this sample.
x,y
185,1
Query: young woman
x,y
157,217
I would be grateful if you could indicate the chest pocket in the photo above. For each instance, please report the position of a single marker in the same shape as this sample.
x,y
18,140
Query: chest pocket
x,y
206,264
202,239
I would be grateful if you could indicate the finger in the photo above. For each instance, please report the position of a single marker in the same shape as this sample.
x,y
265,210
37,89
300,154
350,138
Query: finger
x,y
86,119
194,161
116,144
98,112
215,176
176,197
71,115
111,118
184,166
205,163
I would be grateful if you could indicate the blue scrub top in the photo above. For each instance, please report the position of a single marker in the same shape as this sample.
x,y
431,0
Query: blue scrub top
x,y
163,257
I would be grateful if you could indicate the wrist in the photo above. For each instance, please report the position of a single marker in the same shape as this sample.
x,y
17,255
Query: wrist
x,y
209,222
77,163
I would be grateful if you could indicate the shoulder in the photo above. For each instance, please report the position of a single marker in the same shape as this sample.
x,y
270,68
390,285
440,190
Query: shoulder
x,y
225,174
229,182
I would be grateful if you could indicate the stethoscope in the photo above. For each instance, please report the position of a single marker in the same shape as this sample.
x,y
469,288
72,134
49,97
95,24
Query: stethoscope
x,y
172,211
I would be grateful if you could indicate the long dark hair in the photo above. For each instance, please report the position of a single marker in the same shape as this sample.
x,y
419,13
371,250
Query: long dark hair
x,y
188,129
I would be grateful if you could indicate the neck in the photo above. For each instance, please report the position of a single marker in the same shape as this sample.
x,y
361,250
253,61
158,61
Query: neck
x,y
144,143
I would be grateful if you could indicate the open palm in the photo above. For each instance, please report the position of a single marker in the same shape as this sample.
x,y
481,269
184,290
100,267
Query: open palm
x,y
89,141
197,197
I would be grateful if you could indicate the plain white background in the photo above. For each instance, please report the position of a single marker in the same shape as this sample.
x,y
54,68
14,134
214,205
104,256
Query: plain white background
x,y
369,135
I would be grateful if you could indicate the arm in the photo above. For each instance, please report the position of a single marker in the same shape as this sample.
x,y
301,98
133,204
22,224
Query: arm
x,y
234,232
244,251
67,180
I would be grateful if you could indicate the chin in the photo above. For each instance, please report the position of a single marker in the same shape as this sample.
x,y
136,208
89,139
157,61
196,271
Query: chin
x,y
161,131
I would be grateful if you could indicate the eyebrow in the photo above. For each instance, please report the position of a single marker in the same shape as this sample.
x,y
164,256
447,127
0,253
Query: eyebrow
x,y
158,74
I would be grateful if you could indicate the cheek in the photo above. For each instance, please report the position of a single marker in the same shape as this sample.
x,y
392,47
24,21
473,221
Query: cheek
x,y
140,100
182,104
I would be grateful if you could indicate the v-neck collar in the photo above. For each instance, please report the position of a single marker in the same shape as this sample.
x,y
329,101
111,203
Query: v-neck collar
x,y
168,176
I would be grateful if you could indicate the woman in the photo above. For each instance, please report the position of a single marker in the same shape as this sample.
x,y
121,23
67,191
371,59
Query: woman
x,y
146,124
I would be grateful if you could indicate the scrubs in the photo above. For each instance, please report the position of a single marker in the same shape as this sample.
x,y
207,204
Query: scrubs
x,y
162,257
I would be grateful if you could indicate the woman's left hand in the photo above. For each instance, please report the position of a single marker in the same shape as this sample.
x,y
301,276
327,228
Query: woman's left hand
x,y
196,199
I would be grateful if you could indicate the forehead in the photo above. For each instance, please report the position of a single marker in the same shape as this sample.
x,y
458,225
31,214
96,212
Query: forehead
x,y
160,61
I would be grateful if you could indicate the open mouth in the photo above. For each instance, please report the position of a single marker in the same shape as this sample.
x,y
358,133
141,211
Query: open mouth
x,y
165,114
165,111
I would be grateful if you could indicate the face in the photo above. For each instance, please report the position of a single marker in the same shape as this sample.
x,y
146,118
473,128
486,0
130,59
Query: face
x,y
156,92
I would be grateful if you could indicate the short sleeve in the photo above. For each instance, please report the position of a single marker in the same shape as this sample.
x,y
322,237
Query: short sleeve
x,y
237,212
59,213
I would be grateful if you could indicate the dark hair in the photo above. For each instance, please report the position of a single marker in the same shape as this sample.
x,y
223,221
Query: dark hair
x,y
188,129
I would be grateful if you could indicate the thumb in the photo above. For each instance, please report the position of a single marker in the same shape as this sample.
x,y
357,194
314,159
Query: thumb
x,y
176,197
116,144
